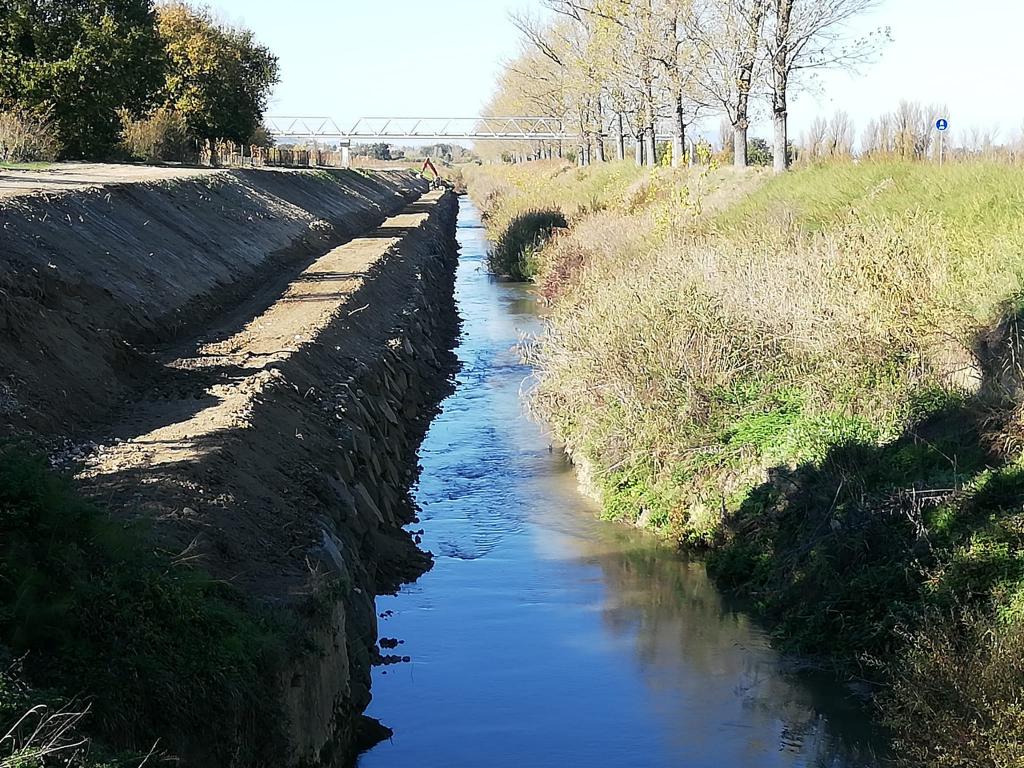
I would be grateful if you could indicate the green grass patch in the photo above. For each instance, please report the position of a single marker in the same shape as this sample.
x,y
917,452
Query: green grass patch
x,y
159,650
35,166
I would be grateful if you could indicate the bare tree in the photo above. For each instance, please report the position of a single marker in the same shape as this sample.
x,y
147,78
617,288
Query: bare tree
x,y
680,62
728,36
814,138
565,42
807,35
913,129
840,135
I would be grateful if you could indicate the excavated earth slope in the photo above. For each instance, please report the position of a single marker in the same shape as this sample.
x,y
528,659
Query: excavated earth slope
x,y
237,372
88,275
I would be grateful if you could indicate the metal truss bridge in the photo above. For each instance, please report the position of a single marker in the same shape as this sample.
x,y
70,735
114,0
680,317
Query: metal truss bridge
x,y
517,128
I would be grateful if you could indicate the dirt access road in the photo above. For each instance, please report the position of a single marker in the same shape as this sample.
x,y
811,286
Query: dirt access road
x,y
64,177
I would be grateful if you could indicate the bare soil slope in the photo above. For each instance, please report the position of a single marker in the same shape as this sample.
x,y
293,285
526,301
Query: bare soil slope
x,y
91,274
245,362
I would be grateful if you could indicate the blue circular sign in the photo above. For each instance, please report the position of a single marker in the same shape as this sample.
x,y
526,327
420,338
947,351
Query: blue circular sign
x,y
942,124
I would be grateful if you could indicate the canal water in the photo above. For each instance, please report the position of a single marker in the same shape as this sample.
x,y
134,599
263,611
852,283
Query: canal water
x,y
546,637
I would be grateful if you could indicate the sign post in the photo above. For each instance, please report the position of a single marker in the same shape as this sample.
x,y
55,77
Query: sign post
x,y
941,125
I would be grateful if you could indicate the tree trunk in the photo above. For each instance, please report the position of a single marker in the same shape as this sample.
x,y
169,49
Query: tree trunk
x,y
599,146
739,144
780,84
652,146
780,154
746,77
678,133
620,140
639,148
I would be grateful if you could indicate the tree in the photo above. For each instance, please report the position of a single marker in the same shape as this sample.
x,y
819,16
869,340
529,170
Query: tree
x,y
218,78
807,35
80,61
759,152
680,59
728,34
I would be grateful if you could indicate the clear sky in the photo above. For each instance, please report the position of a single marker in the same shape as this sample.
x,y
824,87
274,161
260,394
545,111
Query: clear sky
x,y
354,58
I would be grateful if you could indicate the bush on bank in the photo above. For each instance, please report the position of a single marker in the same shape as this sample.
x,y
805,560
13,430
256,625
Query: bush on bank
x,y
138,648
515,253
816,376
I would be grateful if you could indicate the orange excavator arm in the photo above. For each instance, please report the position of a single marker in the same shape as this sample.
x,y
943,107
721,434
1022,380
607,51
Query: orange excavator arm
x,y
427,164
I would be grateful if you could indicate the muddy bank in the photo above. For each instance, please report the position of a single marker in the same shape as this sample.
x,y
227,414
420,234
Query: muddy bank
x,y
90,275
275,447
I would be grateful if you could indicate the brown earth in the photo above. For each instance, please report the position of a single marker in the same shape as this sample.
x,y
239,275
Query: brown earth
x,y
301,354
93,278
66,177
239,372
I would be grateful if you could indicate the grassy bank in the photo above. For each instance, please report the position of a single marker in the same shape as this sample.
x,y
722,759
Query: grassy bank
x,y
817,378
101,636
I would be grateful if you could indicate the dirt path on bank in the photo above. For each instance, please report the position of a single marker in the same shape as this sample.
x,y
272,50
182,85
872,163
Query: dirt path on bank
x,y
156,463
66,177
238,362
93,279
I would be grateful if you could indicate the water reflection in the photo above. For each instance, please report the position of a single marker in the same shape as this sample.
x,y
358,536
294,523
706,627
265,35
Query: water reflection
x,y
544,637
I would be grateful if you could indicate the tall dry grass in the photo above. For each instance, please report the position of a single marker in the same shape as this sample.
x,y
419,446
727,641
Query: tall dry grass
x,y
687,299
158,137
26,138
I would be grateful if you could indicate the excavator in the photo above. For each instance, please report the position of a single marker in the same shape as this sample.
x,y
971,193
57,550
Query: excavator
x,y
436,182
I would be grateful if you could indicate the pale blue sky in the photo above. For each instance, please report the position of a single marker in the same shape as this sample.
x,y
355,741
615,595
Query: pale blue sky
x,y
352,58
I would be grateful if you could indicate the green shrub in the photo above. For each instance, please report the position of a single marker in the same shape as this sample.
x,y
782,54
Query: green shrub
x,y
514,254
956,699
759,151
159,650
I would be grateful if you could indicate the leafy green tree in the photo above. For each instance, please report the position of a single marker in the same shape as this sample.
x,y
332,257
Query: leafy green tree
x,y
80,62
759,151
218,78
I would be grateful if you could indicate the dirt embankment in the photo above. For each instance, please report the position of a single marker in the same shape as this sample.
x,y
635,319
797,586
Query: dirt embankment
x,y
89,275
270,436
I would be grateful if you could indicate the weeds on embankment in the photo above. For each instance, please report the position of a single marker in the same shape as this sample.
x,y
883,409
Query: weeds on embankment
x,y
515,254
817,377
108,636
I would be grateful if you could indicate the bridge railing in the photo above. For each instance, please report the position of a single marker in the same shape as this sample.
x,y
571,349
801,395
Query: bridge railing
x,y
501,128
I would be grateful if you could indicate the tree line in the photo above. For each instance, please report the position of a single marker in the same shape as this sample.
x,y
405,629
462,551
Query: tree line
x,y
615,69
93,72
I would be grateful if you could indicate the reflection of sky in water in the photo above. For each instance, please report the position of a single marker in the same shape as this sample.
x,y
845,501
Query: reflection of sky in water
x,y
543,637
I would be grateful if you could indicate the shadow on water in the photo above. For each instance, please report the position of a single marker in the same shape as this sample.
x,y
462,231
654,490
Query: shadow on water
x,y
545,637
